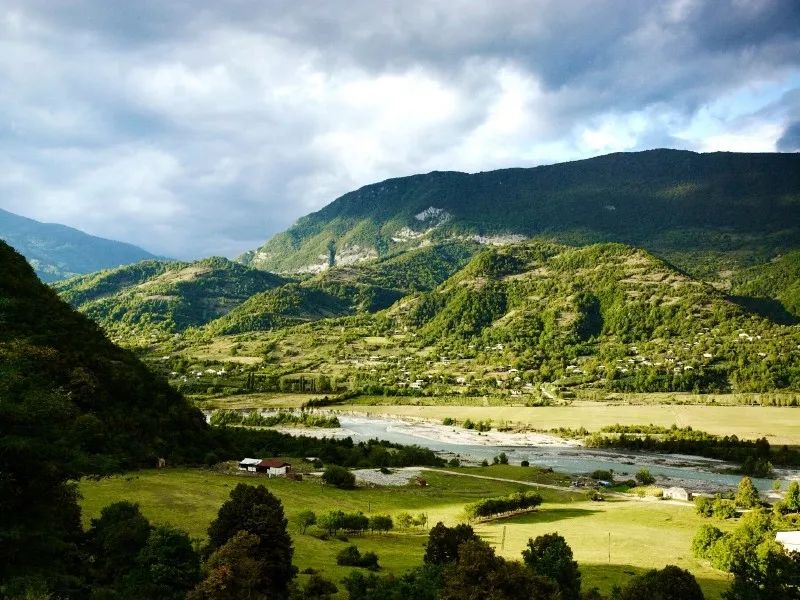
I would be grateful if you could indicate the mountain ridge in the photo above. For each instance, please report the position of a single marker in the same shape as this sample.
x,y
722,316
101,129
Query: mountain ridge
x,y
718,208
58,251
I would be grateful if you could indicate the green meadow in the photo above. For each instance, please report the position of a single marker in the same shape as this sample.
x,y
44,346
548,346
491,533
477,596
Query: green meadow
x,y
644,534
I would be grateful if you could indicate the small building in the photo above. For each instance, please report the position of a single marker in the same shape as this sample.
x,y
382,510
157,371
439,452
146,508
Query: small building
x,y
790,540
249,464
677,493
273,467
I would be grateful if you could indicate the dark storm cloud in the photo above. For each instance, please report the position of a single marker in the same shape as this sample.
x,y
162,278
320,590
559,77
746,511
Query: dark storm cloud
x,y
790,140
202,127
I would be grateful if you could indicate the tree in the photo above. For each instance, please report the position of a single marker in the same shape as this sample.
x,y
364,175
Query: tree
x,y
444,542
115,539
669,583
255,510
305,519
550,556
644,477
747,494
481,575
339,477
319,588
233,571
352,557
167,567
792,498
381,523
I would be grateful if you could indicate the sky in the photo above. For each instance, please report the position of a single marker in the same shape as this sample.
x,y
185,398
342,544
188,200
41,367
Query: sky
x,y
202,127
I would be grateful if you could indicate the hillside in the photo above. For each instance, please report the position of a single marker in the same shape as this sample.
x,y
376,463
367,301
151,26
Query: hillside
x,y
127,416
515,318
773,287
57,252
160,296
703,212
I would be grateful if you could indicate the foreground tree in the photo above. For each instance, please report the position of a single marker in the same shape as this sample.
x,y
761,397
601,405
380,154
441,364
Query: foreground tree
x,y
166,568
669,583
232,572
550,556
115,539
747,494
444,542
255,510
479,574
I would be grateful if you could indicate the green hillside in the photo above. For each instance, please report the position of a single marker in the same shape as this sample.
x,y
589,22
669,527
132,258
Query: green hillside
x,y
164,296
773,287
530,320
57,251
703,212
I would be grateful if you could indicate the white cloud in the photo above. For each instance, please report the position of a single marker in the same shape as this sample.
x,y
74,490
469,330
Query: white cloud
x,y
202,128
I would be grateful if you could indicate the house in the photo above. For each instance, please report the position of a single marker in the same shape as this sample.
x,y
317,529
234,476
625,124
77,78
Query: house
x,y
790,540
677,493
249,464
273,467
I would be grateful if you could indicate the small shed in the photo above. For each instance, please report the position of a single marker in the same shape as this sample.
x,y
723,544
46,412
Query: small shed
x,y
790,540
273,467
249,464
677,493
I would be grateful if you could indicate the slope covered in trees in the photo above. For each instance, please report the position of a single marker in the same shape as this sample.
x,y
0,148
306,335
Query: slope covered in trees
x,y
165,296
773,288
703,212
57,251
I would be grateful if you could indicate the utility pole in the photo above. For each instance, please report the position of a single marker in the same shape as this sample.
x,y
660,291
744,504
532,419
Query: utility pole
x,y
609,547
503,539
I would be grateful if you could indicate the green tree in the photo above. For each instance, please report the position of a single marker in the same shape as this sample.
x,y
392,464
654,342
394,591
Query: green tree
x,y
747,494
232,572
382,523
167,567
669,583
339,477
444,542
792,498
115,539
479,574
318,588
550,556
306,519
255,510
644,477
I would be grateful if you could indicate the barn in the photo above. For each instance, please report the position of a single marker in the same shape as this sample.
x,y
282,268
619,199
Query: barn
x,y
249,464
273,467
677,493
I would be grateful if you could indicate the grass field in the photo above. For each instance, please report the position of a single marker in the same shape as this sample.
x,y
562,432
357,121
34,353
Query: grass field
x,y
644,534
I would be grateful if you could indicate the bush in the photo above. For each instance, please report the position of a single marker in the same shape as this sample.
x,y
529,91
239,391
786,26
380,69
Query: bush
x,y
524,463
602,475
351,557
454,462
339,477
644,477
494,506
381,523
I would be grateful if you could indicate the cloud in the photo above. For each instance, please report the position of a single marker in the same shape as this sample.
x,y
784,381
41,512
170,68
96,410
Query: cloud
x,y
198,128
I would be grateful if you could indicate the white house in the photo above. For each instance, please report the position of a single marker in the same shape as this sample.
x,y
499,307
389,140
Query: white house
x,y
249,464
790,540
273,467
677,493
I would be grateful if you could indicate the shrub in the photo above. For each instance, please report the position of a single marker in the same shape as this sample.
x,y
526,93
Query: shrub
x,y
454,462
339,477
524,463
351,557
602,475
644,477
494,506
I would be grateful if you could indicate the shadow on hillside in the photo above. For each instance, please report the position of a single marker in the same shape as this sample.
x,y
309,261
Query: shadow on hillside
x,y
766,307
550,515
605,576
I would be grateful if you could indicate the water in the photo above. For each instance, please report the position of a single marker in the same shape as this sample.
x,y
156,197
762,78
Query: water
x,y
690,471
693,472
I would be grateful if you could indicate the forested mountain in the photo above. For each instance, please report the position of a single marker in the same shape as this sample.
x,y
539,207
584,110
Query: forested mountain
x,y
165,296
58,251
71,403
703,212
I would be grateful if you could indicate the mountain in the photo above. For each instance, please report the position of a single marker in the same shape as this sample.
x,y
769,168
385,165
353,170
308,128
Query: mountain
x,y
162,296
705,213
58,251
